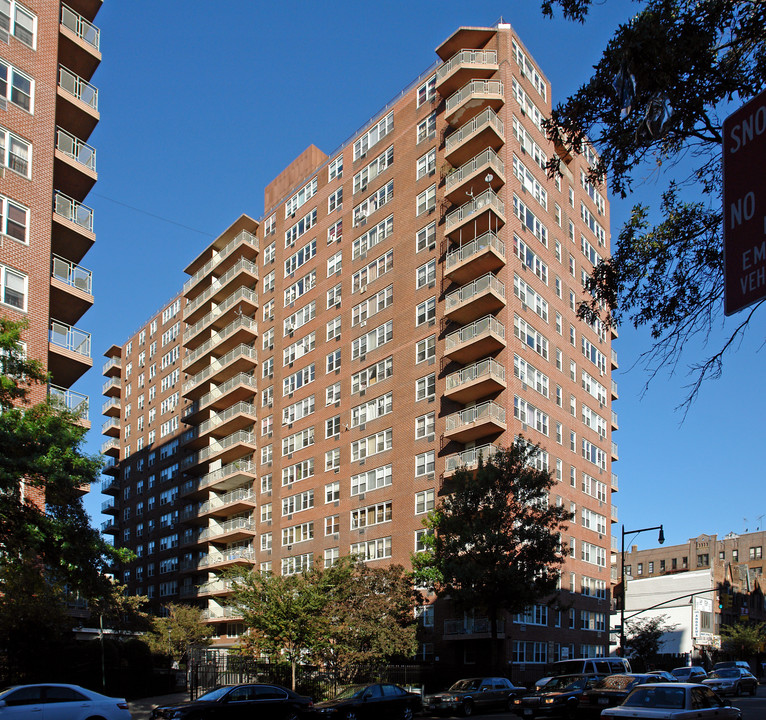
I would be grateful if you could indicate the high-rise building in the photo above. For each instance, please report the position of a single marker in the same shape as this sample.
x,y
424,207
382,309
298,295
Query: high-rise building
x,y
406,304
49,51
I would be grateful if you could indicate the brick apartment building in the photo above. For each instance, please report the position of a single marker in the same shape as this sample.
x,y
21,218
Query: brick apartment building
x,y
49,51
405,304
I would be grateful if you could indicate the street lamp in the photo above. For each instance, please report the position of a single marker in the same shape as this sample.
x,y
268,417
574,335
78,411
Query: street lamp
x,y
661,540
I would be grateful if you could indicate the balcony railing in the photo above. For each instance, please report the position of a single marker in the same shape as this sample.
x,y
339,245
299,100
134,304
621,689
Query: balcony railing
x,y
107,505
70,338
242,237
474,87
483,368
240,379
466,57
487,199
72,210
469,458
109,425
110,364
81,89
243,293
111,444
485,411
238,523
615,516
72,274
109,384
80,26
474,330
240,351
241,436
109,483
218,283
74,402
486,118
244,321
472,289
227,499
76,149
614,389
486,158
238,466
615,482
476,246
228,556
240,407
111,404
615,451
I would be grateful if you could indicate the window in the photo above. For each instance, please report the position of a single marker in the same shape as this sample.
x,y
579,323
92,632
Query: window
x,y
300,198
270,226
425,388
332,457
335,232
13,286
756,553
425,274
14,219
334,263
425,349
425,311
425,426
375,201
269,253
333,329
333,361
427,91
334,296
301,257
375,168
332,394
332,427
371,515
426,238
426,164
427,128
373,136
335,201
426,201
332,525
300,287
425,463
372,549
299,471
268,311
373,237
18,21
424,501
332,492
15,153
16,86
372,445
335,169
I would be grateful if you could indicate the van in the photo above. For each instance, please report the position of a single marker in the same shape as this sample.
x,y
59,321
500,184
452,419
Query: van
x,y
589,666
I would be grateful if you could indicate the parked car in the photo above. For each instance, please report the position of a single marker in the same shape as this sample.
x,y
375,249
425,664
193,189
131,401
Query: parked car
x,y
611,691
364,702
732,681
558,698
589,666
55,701
474,695
733,663
673,700
663,675
689,673
240,702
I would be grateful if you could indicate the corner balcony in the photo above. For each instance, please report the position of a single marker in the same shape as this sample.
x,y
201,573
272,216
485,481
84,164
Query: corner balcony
x,y
615,394
214,587
484,295
111,427
233,530
613,515
112,387
484,213
615,364
68,353
74,167
242,358
110,485
112,407
615,452
236,417
615,424
235,502
71,401
243,301
222,560
243,270
468,459
243,245
79,42
469,424
476,381
76,104
108,527
240,387
229,448
465,65
471,99
484,130
615,483
474,341
484,254
112,367
243,330
111,447
73,234
226,478
109,507
71,294
461,182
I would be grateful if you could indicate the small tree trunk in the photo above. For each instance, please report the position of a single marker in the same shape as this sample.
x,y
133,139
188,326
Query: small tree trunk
x,y
293,663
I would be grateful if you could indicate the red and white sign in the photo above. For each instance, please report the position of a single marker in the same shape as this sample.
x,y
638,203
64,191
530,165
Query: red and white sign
x,y
744,205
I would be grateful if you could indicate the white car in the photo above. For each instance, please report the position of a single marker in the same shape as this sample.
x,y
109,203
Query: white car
x,y
54,701
672,701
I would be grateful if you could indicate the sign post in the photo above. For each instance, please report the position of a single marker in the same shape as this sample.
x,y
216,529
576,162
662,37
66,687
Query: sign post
x,y
744,205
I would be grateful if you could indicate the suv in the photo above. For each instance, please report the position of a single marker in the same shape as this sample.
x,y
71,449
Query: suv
x,y
589,666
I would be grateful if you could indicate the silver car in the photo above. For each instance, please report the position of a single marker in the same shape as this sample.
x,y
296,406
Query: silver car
x,y
56,701
673,701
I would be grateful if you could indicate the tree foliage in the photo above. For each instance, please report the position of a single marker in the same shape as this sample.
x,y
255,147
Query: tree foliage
x,y
119,611
180,631
494,541
655,101
743,640
643,638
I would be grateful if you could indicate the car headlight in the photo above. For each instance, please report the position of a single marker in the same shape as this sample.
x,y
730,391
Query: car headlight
x,y
517,701
550,700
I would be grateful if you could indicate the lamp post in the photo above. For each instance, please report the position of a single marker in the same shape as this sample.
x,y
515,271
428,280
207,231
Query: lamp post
x,y
661,540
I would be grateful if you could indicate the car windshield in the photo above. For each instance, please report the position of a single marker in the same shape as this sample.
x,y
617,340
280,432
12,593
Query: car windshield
x,y
350,692
466,685
215,694
617,682
682,672
725,673
656,697
565,683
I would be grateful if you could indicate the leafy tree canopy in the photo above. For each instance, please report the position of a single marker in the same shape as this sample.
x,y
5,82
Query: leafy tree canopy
x,y
181,630
643,638
743,640
656,100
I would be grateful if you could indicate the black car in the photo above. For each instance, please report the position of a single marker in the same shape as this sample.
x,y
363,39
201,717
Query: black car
x,y
474,695
240,702
558,698
381,701
611,691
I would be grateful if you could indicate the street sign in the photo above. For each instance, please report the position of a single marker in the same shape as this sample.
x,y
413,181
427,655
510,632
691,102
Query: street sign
x,y
744,205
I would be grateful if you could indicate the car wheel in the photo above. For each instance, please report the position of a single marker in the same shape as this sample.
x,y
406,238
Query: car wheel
x,y
467,709
571,711
407,713
351,715
291,715
509,704
736,690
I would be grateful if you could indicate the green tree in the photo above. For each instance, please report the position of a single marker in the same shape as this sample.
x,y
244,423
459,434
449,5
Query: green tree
x,y
643,638
119,611
743,640
179,632
654,105
495,540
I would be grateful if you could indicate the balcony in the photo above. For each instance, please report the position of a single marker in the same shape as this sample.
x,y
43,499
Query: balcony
x,y
112,387
112,367
111,447
243,301
110,485
484,295
243,330
614,515
214,587
463,66
229,448
484,213
237,501
239,387
468,459
474,341
244,270
111,427
460,182
615,364
74,168
484,130
73,232
226,478
71,294
233,530
465,37
79,42
236,417
242,358
471,99
615,394
223,559
109,507
475,381
244,241
615,424
471,423
615,483
68,353
615,452
471,629
76,104
112,407
71,401
484,254
108,527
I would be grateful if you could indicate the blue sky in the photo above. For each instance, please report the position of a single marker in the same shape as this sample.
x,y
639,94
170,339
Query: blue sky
x,y
201,109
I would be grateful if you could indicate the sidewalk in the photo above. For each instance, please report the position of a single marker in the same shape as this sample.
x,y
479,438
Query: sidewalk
x,y
141,709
